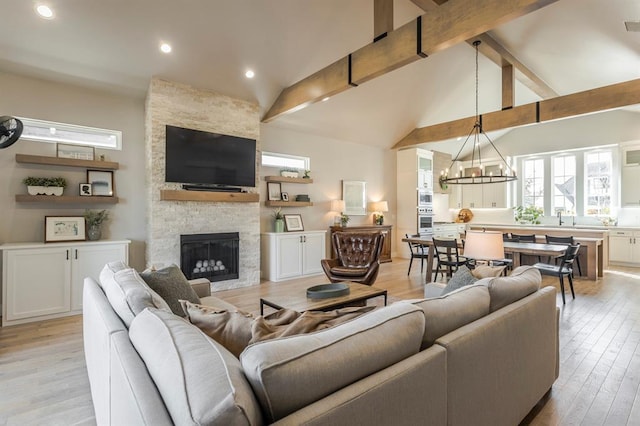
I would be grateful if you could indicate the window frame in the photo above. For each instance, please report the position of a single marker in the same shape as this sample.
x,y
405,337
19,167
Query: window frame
x,y
114,136
305,160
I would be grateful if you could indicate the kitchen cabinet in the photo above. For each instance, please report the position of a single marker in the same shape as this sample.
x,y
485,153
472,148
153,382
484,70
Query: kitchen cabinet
x,y
386,230
624,246
490,195
43,281
630,175
287,255
449,230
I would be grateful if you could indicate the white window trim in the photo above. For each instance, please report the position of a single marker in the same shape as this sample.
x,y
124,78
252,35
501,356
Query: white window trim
x,y
306,160
113,138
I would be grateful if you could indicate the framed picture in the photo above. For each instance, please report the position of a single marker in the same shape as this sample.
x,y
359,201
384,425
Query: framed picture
x,y
293,222
354,194
85,189
64,228
79,152
101,182
285,196
274,191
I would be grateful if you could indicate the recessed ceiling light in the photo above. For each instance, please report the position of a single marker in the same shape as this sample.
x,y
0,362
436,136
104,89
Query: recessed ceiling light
x,y
44,11
165,48
249,74
325,99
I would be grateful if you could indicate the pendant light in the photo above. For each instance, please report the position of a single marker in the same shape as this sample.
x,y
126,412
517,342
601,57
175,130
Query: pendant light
x,y
479,175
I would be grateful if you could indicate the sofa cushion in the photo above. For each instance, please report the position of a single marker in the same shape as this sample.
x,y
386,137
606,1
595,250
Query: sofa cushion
x,y
289,373
451,311
129,295
523,281
229,327
462,277
486,271
110,269
172,285
201,382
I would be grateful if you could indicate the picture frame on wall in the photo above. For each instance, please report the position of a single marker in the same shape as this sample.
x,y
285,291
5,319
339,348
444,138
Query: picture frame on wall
x,y
285,196
85,189
59,229
78,152
293,222
274,191
101,182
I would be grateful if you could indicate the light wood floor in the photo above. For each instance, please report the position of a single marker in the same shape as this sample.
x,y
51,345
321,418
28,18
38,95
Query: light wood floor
x,y
43,378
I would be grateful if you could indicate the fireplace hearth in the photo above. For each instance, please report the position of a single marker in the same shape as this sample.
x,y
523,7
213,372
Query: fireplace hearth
x,y
211,256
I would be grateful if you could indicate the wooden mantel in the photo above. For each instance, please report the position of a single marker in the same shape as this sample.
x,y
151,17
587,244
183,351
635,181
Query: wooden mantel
x,y
206,196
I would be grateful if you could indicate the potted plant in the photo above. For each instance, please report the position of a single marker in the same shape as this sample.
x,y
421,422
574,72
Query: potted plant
x,y
94,221
344,219
307,174
530,214
289,172
278,218
35,185
55,185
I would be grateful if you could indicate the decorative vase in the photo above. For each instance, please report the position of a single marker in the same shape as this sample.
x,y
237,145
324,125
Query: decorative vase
x,y
279,225
94,233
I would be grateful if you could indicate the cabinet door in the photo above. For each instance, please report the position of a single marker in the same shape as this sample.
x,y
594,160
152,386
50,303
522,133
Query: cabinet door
x,y
472,196
289,256
620,248
37,282
88,261
630,193
494,195
313,252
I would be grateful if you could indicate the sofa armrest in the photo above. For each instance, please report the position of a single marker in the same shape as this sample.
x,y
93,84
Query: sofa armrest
x,y
201,286
433,289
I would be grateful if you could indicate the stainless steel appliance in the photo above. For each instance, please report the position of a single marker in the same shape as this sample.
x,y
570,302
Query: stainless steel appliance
x,y
425,198
425,220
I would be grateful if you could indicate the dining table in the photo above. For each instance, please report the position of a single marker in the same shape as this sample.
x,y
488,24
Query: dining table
x,y
516,249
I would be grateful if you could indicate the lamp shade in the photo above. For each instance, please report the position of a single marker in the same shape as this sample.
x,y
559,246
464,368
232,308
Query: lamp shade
x,y
484,245
379,206
337,205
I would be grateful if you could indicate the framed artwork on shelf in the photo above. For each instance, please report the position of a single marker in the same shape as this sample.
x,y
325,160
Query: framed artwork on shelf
x,y
285,196
78,152
85,189
274,191
293,222
64,228
101,182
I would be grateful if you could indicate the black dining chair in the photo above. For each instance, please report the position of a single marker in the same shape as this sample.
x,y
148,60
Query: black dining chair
x,y
566,241
447,257
525,239
563,269
417,252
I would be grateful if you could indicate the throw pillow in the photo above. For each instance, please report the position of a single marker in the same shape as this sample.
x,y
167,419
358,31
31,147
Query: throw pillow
x,y
462,277
486,271
231,329
171,284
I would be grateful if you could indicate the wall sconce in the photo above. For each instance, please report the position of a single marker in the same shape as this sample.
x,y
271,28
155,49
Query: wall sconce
x,y
338,207
378,208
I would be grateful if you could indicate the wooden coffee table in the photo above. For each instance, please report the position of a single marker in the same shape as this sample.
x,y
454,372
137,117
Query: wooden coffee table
x,y
300,302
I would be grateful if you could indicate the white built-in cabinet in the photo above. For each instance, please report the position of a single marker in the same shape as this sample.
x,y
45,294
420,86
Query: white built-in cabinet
x,y
491,195
287,255
624,246
630,190
43,281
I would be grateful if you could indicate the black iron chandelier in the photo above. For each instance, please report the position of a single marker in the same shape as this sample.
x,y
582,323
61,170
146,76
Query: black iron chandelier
x,y
477,173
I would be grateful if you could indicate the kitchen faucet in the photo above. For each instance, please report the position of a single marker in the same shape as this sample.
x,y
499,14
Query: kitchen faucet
x,y
560,221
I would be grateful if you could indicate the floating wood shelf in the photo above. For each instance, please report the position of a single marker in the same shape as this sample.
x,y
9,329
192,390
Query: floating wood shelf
x,y
224,197
287,179
65,199
288,203
69,162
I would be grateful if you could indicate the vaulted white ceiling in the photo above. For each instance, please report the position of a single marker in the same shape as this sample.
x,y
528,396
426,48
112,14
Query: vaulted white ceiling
x,y
573,45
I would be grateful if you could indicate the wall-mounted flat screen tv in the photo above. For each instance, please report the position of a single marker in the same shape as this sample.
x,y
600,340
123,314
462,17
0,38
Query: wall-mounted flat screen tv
x,y
197,157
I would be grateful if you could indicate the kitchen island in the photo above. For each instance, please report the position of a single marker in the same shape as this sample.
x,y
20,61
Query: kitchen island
x,y
594,242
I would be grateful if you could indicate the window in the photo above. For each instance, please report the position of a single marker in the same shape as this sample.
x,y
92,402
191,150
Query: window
x,y
598,189
533,183
49,131
564,185
272,159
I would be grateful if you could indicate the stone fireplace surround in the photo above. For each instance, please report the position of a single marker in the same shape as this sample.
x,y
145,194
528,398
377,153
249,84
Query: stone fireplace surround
x,y
184,106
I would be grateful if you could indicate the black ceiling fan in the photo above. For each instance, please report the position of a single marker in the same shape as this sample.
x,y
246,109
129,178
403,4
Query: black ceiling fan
x,y
10,131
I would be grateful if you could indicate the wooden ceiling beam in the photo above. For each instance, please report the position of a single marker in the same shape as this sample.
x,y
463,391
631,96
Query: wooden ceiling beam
x,y
382,18
595,100
508,87
451,23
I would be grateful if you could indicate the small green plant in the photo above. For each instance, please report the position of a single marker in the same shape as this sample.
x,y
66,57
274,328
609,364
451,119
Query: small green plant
x,y
95,218
344,219
277,214
34,181
529,214
42,181
307,174
56,181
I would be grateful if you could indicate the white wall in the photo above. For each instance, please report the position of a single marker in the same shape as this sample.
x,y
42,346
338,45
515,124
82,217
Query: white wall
x,y
45,100
332,161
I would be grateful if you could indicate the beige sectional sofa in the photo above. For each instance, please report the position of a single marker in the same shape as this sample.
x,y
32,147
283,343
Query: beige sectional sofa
x,y
484,354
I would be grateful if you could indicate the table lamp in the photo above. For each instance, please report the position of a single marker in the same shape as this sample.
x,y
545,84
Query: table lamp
x,y
338,207
378,208
484,245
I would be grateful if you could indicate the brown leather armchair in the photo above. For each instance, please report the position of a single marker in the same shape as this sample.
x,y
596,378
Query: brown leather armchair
x,y
358,257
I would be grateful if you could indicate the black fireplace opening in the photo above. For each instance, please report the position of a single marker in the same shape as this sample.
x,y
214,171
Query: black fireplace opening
x,y
211,256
